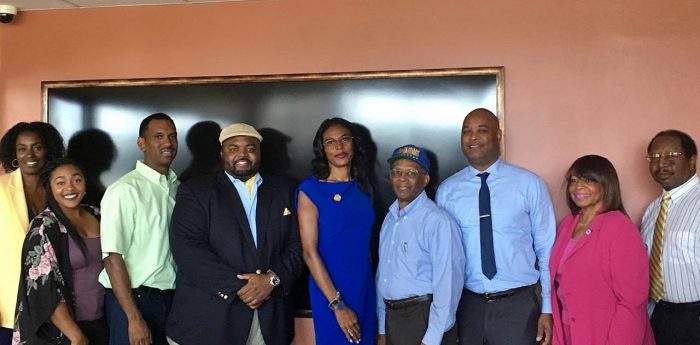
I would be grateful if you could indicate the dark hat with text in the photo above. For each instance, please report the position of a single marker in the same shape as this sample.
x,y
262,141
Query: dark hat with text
x,y
412,152
237,129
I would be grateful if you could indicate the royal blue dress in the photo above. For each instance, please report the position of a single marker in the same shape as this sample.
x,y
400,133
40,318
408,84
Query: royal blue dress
x,y
345,219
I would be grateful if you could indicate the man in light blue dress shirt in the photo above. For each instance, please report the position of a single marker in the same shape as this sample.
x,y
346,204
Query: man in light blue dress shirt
x,y
504,309
421,260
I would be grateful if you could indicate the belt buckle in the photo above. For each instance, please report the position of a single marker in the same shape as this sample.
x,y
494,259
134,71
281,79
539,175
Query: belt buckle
x,y
494,296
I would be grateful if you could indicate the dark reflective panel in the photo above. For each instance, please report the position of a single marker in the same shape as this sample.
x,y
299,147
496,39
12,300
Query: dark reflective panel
x,y
425,111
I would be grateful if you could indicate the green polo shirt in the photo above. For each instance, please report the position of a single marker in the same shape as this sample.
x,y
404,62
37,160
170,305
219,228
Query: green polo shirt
x,y
136,212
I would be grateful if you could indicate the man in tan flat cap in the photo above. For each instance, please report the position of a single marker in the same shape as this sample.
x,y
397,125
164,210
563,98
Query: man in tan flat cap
x,y
235,240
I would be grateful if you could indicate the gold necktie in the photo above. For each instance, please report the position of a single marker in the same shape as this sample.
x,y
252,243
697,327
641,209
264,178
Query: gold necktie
x,y
249,184
655,266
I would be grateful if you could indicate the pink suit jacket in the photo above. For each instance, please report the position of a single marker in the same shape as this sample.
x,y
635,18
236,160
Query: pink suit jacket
x,y
605,283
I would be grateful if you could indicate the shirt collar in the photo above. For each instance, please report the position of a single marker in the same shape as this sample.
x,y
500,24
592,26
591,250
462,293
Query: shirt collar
x,y
394,208
680,191
154,176
234,180
492,170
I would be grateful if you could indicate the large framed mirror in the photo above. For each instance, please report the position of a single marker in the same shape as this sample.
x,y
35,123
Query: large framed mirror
x,y
421,107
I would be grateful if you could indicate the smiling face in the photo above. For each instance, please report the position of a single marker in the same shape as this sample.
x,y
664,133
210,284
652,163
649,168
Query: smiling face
x,y
586,194
31,153
338,146
67,186
481,139
408,180
670,172
241,156
159,145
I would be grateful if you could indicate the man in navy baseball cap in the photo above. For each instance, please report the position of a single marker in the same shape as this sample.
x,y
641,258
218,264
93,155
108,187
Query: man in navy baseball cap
x,y
421,260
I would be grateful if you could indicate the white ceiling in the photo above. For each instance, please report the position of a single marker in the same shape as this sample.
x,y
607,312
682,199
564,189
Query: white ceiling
x,y
24,5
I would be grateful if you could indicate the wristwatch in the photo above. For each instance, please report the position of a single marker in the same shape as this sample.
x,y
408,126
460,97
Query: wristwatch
x,y
274,278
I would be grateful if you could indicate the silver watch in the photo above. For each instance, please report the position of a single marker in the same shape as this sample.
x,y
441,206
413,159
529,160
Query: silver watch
x,y
274,278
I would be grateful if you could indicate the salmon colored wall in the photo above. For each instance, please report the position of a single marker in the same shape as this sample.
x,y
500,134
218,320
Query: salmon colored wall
x,y
581,76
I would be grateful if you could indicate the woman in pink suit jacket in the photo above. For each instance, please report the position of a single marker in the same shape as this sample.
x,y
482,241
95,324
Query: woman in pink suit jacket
x,y
599,267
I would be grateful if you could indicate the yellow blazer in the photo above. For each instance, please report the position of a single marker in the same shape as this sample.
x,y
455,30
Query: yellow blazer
x,y
14,224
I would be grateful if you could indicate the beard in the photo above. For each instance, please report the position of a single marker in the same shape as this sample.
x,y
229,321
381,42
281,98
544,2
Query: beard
x,y
242,174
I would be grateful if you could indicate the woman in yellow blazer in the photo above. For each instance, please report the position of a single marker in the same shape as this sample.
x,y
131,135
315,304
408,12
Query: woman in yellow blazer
x,y
24,150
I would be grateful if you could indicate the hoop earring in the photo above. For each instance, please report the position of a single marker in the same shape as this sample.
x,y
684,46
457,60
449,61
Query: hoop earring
x,y
15,163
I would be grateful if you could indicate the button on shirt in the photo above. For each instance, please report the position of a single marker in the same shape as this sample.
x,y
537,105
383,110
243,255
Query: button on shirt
x,y
523,226
680,258
420,253
249,198
136,212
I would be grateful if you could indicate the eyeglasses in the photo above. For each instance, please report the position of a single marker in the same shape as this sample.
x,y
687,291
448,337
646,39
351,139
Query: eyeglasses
x,y
410,173
332,142
670,156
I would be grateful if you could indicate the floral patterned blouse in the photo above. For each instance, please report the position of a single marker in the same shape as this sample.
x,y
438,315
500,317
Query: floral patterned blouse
x,y
45,280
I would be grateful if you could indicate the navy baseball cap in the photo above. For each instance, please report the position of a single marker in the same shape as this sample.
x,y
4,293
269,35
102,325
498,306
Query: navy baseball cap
x,y
412,152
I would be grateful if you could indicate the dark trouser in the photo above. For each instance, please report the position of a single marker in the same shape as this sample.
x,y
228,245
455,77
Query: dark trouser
x,y
407,323
5,336
95,331
508,320
154,307
676,323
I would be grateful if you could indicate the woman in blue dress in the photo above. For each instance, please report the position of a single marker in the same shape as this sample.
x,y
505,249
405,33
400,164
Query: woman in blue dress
x,y
335,220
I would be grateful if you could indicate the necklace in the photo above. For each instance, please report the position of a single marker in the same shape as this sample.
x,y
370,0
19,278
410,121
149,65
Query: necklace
x,y
337,197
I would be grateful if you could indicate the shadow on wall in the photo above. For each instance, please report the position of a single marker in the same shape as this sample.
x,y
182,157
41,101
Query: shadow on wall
x,y
203,141
95,151
274,151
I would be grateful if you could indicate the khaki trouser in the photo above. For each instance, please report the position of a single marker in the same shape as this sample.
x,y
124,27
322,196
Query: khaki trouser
x,y
254,336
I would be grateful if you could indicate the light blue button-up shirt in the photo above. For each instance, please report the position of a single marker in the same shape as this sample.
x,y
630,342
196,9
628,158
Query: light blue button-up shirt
x,y
420,253
523,226
250,202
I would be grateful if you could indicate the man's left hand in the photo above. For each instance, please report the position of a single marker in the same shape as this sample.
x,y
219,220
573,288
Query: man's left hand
x,y
257,290
544,329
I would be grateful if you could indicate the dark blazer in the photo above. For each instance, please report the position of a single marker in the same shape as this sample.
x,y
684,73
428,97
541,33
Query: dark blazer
x,y
211,242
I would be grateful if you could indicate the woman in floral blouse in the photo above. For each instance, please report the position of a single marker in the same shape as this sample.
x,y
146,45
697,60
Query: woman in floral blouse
x,y
60,300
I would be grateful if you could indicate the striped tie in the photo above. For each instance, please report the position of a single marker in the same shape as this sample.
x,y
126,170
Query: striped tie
x,y
655,267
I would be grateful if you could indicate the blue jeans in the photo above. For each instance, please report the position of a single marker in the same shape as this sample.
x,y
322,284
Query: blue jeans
x,y
154,307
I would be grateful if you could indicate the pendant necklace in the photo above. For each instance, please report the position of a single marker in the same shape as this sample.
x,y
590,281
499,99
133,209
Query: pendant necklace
x,y
337,197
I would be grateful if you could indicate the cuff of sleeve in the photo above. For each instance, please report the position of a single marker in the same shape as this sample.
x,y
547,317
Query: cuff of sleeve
x,y
433,337
546,306
226,297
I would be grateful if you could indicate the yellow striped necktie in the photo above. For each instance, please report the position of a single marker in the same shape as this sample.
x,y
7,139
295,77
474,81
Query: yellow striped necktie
x,y
656,288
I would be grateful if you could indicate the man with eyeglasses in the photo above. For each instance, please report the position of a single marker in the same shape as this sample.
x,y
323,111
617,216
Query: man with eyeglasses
x,y
671,231
421,260
507,224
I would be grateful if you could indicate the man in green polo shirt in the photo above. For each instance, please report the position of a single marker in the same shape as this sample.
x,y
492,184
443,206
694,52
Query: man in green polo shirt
x,y
139,269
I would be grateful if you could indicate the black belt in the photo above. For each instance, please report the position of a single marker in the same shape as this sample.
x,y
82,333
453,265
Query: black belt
x,y
679,305
493,296
406,302
145,289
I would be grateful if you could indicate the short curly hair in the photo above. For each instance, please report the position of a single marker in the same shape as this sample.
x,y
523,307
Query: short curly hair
x,y
52,139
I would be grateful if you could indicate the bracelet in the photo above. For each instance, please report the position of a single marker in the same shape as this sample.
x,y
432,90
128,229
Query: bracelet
x,y
337,302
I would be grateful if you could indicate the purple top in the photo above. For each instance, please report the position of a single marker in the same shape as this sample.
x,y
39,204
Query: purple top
x,y
87,291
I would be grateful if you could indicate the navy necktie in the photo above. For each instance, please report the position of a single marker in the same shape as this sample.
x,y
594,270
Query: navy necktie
x,y
488,260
